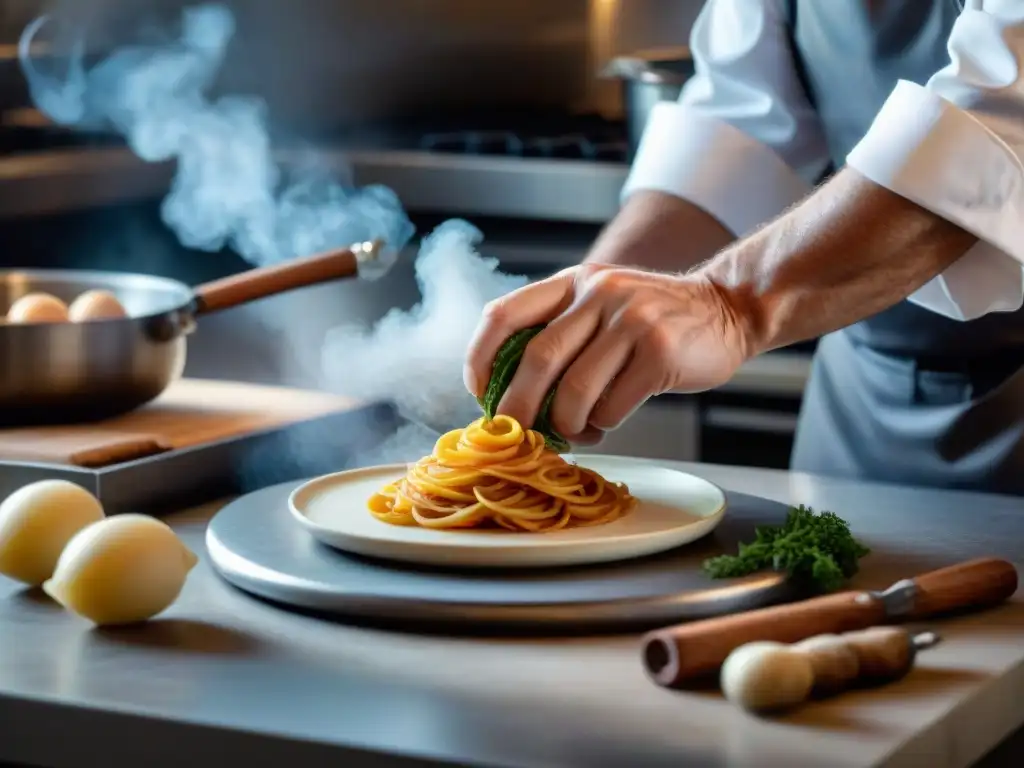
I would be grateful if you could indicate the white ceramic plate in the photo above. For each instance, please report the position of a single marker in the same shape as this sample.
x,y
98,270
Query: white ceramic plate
x,y
674,508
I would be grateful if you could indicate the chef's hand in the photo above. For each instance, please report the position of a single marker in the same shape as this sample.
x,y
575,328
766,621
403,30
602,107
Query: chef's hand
x,y
616,337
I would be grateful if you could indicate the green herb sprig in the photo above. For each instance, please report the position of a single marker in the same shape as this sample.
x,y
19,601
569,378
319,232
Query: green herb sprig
x,y
506,363
816,548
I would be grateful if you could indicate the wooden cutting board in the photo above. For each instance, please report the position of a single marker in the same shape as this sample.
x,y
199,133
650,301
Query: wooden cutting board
x,y
191,412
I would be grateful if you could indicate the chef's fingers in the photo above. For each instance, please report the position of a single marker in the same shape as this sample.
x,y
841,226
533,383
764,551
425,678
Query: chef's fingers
x,y
629,391
587,379
546,357
530,305
589,436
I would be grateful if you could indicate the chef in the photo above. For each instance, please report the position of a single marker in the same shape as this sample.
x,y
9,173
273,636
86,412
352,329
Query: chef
x,y
852,168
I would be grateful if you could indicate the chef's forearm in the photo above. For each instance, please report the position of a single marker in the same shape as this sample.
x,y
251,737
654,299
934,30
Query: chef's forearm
x,y
660,232
850,250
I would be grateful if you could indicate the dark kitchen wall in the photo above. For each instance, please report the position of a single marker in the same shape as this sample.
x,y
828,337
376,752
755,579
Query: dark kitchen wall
x,y
328,62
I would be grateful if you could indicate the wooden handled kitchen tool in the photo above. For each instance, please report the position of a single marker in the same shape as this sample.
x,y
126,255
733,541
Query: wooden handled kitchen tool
x,y
94,447
767,677
297,273
676,654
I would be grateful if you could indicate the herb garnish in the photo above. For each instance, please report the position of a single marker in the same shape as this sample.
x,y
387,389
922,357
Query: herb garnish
x,y
506,363
818,548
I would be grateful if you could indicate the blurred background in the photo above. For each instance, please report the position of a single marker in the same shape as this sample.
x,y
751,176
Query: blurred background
x,y
502,113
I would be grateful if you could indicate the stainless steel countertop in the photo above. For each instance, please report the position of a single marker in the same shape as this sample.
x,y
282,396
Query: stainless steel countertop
x,y
223,672
555,190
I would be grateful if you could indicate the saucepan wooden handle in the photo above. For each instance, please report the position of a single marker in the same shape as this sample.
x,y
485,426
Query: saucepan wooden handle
x,y
973,584
679,653
279,278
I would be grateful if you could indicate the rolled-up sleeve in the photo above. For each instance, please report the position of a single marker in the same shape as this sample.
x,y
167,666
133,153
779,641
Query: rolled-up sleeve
x,y
742,142
955,146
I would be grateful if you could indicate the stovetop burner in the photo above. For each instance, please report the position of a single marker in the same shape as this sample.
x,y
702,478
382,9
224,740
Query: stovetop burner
x,y
511,144
546,135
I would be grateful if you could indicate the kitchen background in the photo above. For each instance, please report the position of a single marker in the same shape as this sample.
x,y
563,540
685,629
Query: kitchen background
x,y
492,112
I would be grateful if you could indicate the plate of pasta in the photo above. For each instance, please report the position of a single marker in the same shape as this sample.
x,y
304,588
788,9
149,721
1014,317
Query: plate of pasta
x,y
495,495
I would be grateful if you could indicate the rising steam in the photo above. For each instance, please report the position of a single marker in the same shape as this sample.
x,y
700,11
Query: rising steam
x,y
415,358
229,192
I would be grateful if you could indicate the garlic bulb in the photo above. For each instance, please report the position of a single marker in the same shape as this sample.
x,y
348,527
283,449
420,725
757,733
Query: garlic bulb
x,y
121,570
762,676
36,523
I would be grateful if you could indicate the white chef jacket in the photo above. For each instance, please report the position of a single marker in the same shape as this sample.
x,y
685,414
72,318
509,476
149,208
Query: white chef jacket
x,y
744,143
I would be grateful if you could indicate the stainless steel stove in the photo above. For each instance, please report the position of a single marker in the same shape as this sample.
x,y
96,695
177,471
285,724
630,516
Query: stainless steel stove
x,y
549,168
559,168
584,191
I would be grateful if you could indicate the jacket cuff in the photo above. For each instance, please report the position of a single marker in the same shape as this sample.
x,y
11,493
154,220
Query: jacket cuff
x,y
715,166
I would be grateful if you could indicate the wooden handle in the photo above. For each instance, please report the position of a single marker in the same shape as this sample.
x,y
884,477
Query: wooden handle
x,y
972,584
269,281
676,654
80,446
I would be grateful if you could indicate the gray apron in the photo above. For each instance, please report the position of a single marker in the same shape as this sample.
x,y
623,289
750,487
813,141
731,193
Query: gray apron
x,y
907,396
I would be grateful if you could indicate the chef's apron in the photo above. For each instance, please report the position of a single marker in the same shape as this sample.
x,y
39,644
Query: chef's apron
x,y
906,396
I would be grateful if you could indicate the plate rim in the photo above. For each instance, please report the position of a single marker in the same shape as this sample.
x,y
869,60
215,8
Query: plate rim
x,y
620,614
304,487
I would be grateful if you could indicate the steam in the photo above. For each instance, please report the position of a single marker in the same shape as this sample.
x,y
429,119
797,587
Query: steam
x,y
415,358
228,191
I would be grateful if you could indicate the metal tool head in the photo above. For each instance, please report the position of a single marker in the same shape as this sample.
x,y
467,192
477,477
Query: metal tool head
x,y
373,258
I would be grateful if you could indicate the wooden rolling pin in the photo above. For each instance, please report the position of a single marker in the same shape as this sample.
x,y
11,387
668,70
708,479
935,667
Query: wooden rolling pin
x,y
673,655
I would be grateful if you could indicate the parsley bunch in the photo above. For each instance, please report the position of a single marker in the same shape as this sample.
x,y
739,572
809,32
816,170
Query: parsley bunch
x,y
817,548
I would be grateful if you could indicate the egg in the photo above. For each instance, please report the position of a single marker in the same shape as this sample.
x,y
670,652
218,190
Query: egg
x,y
95,305
121,570
36,523
38,308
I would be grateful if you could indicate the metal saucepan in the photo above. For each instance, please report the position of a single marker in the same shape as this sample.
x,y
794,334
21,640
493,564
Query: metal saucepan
x,y
63,373
648,77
